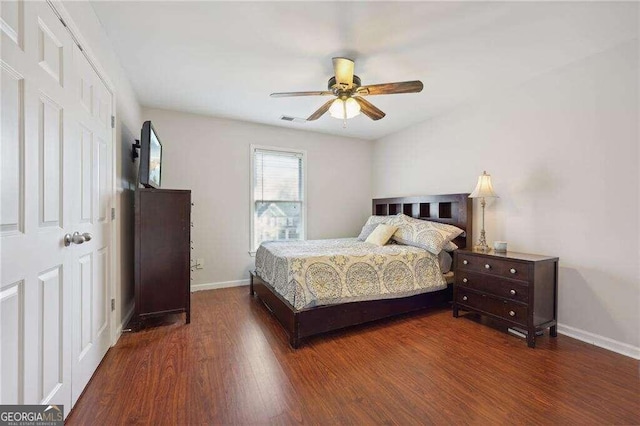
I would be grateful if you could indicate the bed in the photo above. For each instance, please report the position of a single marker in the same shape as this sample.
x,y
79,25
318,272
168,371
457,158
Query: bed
x,y
317,286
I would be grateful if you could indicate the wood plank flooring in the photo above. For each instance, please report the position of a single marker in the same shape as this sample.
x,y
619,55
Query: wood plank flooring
x,y
232,365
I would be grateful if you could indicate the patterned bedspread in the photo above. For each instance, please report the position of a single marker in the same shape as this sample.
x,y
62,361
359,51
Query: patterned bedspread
x,y
323,272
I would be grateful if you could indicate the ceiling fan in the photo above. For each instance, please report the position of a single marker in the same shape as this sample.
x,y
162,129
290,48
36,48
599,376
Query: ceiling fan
x,y
349,93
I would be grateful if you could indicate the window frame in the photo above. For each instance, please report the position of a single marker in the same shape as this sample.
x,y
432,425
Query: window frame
x,y
252,201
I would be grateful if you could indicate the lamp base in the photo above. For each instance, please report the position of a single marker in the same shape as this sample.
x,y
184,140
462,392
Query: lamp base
x,y
482,248
482,242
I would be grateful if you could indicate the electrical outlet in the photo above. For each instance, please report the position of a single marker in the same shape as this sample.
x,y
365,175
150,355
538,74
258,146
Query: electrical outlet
x,y
199,263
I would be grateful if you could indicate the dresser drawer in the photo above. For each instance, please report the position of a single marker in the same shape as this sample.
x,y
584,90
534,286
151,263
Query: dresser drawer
x,y
494,266
480,302
497,286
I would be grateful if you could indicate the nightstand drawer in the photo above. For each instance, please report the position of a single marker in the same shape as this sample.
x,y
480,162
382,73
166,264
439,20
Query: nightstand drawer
x,y
484,303
494,266
496,286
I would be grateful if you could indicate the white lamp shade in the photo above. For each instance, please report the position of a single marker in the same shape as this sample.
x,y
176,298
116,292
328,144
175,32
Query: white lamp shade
x,y
344,109
336,109
484,189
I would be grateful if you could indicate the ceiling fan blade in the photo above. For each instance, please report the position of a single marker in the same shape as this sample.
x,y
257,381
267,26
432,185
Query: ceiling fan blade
x,y
368,109
343,70
286,94
320,111
391,88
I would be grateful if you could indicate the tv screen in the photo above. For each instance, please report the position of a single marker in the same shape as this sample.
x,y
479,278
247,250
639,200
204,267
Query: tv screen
x,y
150,157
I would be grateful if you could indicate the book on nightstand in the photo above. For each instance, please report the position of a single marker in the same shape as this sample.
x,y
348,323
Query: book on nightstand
x,y
519,332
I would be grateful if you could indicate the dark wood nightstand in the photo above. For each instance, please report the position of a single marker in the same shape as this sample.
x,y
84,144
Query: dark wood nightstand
x,y
517,288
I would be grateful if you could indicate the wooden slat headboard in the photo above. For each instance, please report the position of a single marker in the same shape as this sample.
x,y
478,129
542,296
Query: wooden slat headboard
x,y
453,209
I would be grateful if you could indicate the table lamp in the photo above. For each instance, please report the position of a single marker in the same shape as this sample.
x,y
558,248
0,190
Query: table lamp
x,y
483,190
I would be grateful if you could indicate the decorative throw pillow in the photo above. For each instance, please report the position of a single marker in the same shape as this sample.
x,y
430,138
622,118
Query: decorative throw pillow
x,y
431,236
381,234
444,260
371,224
451,246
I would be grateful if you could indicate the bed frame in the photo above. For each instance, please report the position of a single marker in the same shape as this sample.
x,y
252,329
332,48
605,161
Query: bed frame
x,y
454,209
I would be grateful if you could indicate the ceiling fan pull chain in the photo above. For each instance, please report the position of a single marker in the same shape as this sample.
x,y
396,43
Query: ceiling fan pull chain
x,y
344,108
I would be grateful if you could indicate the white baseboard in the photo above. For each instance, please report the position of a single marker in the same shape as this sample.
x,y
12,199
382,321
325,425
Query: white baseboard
x,y
601,341
222,284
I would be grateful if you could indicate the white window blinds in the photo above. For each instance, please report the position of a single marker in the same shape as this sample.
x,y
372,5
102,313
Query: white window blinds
x,y
277,195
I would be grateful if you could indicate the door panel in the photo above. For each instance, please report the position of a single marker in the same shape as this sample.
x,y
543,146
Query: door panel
x,y
50,51
103,101
12,335
50,124
12,166
100,316
86,174
85,281
102,161
11,20
51,333
85,81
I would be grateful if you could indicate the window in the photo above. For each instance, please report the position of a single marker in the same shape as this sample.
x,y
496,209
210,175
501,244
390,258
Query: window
x,y
277,195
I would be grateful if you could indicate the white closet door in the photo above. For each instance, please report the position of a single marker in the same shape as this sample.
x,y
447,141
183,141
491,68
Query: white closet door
x,y
54,175
91,213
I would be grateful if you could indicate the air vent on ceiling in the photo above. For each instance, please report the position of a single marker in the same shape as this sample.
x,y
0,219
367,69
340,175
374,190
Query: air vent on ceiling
x,y
294,119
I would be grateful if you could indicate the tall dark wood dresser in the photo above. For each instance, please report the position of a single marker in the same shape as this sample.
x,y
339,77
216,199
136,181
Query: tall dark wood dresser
x,y
162,247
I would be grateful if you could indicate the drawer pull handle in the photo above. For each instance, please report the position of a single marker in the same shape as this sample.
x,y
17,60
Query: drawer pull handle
x,y
464,280
513,292
487,266
466,262
511,313
512,270
464,297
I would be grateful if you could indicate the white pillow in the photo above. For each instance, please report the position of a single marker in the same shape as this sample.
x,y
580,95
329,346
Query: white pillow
x,y
381,234
371,224
451,246
431,236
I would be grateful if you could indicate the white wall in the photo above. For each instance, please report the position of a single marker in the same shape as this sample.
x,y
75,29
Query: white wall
x,y
562,150
211,156
128,124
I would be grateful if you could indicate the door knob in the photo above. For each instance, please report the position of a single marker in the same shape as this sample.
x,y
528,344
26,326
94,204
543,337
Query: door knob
x,y
76,238
87,236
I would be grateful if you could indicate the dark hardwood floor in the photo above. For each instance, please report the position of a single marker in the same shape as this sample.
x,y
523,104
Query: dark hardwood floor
x,y
232,364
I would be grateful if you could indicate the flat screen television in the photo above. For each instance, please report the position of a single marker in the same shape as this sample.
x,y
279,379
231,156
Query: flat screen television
x,y
150,157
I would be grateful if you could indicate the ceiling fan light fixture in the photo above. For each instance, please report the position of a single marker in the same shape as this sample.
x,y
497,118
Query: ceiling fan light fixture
x,y
346,109
351,94
337,109
353,107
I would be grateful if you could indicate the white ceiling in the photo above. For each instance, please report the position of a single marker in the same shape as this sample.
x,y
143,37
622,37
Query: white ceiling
x,y
225,58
